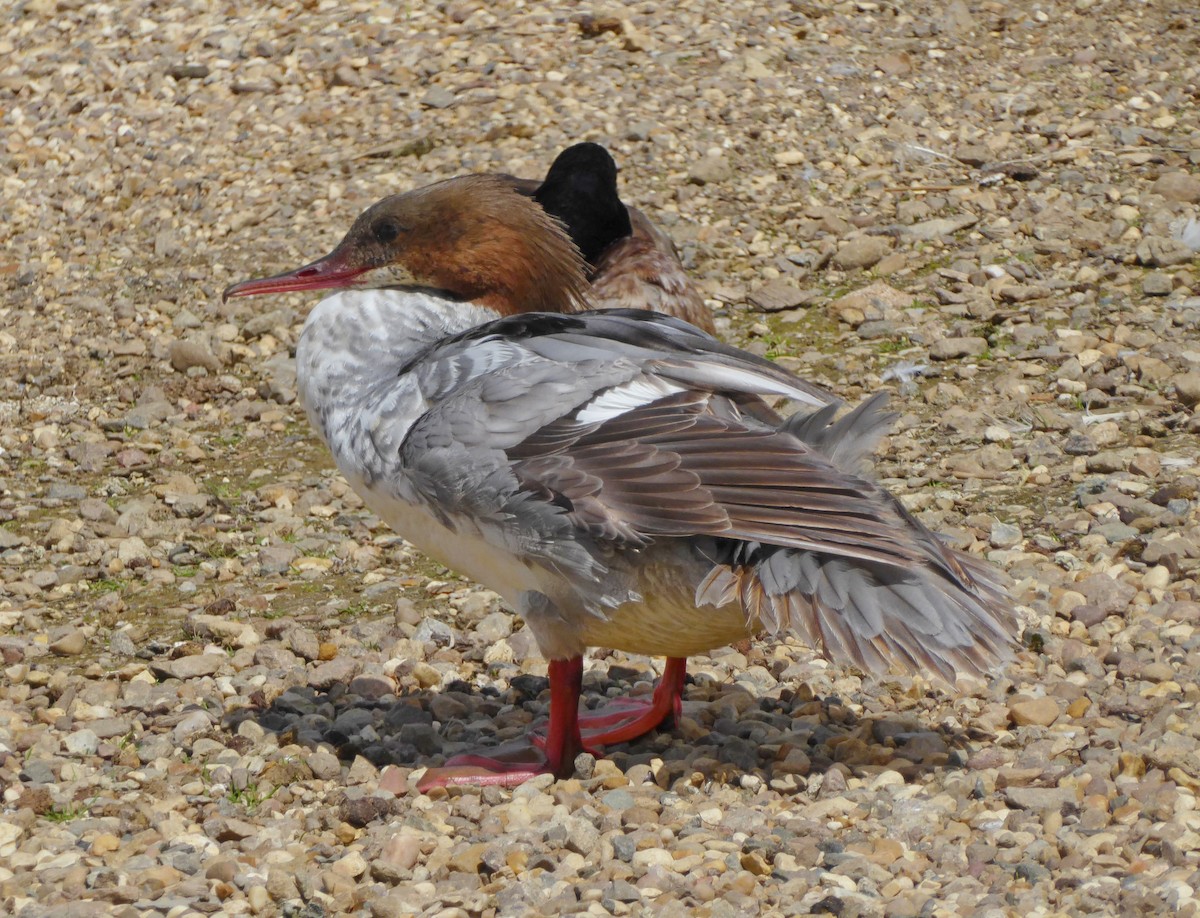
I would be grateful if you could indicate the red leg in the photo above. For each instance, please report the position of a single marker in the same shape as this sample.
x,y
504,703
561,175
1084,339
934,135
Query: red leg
x,y
515,763
563,741
628,718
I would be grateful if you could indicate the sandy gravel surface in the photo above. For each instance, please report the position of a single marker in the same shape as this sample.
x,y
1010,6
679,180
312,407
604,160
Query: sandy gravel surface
x,y
221,673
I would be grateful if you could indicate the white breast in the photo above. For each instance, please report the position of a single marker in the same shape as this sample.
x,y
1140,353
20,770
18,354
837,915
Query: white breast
x,y
349,366
459,546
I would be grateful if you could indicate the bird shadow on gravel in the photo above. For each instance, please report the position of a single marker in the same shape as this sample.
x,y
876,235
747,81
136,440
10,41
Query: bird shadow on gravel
x,y
794,741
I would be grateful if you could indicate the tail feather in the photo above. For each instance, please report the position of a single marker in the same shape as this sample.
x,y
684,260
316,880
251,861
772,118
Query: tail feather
x,y
874,616
939,611
850,440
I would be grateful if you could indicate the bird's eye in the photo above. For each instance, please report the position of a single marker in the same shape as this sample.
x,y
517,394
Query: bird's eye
x,y
386,231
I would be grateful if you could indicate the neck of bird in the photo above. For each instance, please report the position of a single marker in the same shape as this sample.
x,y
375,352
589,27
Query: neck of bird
x,y
355,353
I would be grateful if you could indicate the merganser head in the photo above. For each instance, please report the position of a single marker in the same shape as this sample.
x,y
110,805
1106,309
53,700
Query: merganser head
x,y
581,190
475,237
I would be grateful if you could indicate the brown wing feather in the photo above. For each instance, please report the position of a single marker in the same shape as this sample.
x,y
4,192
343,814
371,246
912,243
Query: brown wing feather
x,y
858,577
670,469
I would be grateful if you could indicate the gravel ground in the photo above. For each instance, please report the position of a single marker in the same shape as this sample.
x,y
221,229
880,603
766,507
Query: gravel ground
x,y
220,673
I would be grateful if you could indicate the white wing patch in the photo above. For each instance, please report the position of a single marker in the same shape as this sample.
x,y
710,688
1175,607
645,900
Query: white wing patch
x,y
724,377
616,401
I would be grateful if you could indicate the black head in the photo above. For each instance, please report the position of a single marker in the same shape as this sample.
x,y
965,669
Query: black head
x,y
581,191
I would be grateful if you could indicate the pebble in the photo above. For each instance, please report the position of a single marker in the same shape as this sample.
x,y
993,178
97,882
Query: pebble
x,y
1041,712
82,742
393,781
438,97
778,295
194,666
191,726
324,765
861,253
956,348
122,644
1158,283
710,170
258,899
184,355
941,226
1005,535
1178,187
1163,252
71,644
1187,388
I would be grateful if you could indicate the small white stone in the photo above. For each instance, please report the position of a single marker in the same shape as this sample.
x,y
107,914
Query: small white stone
x,y
352,865
132,549
654,857
259,898
82,742
1157,578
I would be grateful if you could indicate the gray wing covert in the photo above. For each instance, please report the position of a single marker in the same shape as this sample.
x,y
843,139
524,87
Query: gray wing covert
x,y
483,398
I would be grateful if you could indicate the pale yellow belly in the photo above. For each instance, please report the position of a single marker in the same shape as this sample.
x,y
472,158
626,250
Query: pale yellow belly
x,y
667,624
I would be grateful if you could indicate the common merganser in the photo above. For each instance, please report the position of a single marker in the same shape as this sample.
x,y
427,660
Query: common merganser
x,y
633,264
616,476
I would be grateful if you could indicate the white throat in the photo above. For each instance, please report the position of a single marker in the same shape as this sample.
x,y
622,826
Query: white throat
x,y
354,356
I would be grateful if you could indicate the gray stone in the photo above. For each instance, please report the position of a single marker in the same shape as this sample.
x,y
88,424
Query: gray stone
x,y
777,295
1158,283
941,226
1078,444
618,800
1023,293
110,727
1116,532
582,836
372,686
1105,592
276,559
194,666
70,644
1106,462
862,252
624,847
622,891
186,71
352,721
1178,187
710,170
184,355
435,632
327,675
39,771
324,765
955,348
1187,388
303,643
438,97
494,627
82,742
1005,535
421,737
1163,252
191,726
60,490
